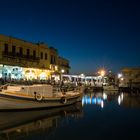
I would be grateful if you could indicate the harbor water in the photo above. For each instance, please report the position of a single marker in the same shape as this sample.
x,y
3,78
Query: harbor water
x,y
107,115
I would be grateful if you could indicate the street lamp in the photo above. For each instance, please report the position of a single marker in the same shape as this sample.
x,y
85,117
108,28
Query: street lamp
x,y
82,75
62,71
119,75
102,72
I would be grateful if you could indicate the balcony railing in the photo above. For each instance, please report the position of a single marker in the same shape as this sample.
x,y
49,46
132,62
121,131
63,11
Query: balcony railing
x,y
19,56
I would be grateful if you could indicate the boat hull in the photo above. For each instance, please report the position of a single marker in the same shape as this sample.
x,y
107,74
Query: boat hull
x,y
8,103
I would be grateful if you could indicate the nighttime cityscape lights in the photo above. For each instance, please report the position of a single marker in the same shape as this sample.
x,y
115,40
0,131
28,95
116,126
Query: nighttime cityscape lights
x,y
119,75
68,45
62,70
87,99
102,72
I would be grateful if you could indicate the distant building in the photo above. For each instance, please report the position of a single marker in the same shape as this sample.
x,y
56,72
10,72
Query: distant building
x,y
110,78
63,65
20,59
53,59
130,77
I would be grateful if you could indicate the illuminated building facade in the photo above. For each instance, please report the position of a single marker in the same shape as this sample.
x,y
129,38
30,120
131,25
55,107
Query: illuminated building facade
x,y
130,77
53,59
63,65
20,59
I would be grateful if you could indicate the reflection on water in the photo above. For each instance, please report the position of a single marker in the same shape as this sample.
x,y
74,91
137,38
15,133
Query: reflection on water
x,y
94,98
119,111
17,125
120,98
129,100
124,99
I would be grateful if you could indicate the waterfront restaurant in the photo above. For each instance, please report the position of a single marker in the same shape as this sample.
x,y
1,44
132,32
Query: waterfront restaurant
x,y
20,59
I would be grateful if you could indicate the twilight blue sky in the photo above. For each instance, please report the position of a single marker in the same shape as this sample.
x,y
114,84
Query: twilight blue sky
x,y
90,33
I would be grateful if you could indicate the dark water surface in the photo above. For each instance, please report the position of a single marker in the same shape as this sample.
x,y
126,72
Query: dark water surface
x,y
98,116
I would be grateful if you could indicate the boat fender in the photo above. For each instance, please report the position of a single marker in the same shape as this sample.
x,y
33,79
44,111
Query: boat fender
x,y
39,124
38,96
63,100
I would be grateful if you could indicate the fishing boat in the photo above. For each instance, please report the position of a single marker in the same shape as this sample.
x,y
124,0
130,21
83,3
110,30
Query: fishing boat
x,y
22,97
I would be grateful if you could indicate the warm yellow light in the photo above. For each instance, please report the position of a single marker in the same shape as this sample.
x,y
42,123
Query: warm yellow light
x,y
102,72
43,76
50,66
62,71
122,79
30,74
56,68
